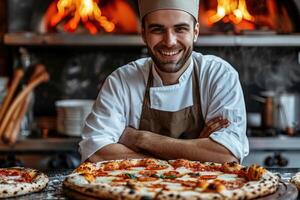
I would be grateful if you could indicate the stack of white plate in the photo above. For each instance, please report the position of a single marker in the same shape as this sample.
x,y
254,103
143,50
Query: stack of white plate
x,y
71,115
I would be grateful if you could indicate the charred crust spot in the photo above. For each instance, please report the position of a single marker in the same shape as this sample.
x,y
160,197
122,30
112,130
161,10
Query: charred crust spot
x,y
89,190
215,198
212,186
131,191
15,192
253,192
178,196
232,164
22,188
265,185
247,185
234,194
146,198
5,192
244,169
171,195
259,189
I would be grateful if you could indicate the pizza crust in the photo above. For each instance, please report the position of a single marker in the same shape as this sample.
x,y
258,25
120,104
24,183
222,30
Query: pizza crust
x,y
296,180
268,185
19,188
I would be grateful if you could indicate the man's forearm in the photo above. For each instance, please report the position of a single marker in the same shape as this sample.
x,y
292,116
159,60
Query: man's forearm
x,y
203,149
114,152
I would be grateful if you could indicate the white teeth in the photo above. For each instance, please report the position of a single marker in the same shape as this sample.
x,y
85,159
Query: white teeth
x,y
169,53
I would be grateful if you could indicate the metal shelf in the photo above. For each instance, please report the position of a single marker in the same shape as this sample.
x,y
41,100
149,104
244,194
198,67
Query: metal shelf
x,y
274,143
64,39
39,145
32,39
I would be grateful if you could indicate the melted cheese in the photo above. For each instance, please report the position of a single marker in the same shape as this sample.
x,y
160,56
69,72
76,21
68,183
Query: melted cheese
x,y
210,173
187,178
183,170
104,179
174,186
228,177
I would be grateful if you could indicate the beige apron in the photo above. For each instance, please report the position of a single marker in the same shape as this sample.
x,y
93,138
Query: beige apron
x,y
186,123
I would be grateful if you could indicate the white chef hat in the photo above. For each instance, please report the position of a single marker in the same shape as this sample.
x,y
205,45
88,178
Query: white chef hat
x,y
189,6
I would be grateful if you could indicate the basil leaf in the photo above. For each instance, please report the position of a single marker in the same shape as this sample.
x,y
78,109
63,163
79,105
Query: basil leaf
x,y
131,176
168,177
155,176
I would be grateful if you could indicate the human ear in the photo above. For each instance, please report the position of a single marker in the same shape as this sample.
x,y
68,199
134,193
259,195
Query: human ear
x,y
196,32
143,33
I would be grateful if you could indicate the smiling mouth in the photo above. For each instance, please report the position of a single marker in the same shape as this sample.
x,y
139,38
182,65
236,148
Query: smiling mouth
x,y
170,53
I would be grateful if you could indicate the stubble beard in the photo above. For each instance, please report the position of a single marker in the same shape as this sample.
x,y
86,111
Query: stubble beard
x,y
171,67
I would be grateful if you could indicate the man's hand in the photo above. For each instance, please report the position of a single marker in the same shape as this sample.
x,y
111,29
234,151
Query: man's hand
x,y
213,125
129,138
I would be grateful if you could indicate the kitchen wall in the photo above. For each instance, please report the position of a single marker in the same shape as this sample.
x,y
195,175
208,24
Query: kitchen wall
x,y
79,72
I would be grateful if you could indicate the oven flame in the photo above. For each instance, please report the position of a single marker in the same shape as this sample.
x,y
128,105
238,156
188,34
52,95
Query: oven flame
x,y
231,10
85,11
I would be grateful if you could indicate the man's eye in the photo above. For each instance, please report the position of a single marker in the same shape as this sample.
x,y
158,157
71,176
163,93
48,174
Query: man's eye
x,y
181,29
156,30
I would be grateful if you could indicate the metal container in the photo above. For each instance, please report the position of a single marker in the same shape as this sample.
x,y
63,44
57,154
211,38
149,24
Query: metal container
x,y
281,111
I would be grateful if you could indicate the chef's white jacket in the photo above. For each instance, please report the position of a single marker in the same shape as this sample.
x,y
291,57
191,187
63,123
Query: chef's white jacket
x,y
119,103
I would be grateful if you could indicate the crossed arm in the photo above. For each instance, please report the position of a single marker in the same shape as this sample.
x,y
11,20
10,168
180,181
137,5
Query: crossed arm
x,y
139,144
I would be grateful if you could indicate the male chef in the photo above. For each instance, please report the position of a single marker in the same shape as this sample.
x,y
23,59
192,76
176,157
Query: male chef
x,y
177,103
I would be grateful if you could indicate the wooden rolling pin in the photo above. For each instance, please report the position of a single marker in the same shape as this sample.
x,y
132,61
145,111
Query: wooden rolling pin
x,y
43,77
12,129
18,75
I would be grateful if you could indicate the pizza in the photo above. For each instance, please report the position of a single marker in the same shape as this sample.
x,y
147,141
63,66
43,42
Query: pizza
x,y
17,181
174,179
296,180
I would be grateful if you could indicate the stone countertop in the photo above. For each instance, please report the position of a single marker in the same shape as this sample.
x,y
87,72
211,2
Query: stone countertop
x,y
54,189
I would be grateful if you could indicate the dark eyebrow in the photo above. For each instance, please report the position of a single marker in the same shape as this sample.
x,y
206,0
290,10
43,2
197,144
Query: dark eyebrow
x,y
155,26
176,25
182,25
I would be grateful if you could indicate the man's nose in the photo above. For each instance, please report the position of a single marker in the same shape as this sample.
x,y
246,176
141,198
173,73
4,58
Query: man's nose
x,y
170,38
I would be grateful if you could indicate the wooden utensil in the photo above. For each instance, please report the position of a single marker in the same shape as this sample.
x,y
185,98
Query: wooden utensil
x,y
43,77
18,75
13,127
12,137
13,122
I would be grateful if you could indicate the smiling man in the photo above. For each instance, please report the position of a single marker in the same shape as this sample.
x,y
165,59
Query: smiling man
x,y
175,104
